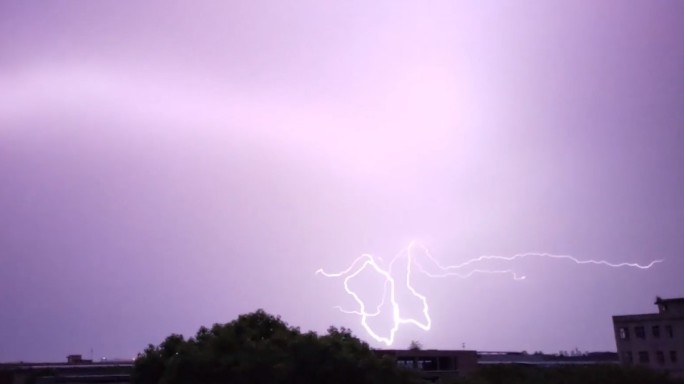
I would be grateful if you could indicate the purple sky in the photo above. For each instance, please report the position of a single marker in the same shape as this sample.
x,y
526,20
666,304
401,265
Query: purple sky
x,y
169,165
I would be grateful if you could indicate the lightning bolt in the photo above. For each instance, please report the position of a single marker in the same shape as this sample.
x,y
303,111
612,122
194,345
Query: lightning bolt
x,y
464,270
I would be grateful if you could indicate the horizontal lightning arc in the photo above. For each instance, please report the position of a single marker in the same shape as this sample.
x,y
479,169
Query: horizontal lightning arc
x,y
365,261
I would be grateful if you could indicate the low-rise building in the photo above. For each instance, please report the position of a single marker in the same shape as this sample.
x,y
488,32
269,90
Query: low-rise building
x,y
547,360
75,370
655,340
434,364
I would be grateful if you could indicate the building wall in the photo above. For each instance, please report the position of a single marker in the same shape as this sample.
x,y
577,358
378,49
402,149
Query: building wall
x,y
654,340
434,364
65,373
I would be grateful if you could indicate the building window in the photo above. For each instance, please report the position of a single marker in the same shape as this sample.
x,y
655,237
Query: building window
x,y
660,357
628,358
668,331
405,362
639,332
673,356
656,331
643,357
624,333
427,363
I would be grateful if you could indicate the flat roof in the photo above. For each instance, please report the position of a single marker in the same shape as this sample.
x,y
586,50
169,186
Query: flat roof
x,y
427,351
23,365
647,317
675,299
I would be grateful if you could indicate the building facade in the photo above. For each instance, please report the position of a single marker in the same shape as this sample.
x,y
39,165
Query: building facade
x,y
434,365
69,373
655,340
542,360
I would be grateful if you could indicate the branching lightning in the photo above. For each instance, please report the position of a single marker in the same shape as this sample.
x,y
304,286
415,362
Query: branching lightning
x,y
432,268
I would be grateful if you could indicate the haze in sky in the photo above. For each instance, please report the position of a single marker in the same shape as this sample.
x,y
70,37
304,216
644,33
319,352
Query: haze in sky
x,y
166,165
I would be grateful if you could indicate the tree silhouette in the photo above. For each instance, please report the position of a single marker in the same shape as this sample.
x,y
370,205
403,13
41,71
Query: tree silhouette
x,y
259,348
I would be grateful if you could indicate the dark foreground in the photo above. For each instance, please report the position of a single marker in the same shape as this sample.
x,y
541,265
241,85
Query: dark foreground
x,y
592,374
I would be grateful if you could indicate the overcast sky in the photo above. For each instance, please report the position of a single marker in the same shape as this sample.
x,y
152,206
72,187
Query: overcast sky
x,y
166,165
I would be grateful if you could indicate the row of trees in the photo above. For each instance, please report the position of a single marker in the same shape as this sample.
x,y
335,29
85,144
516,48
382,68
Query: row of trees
x,y
259,348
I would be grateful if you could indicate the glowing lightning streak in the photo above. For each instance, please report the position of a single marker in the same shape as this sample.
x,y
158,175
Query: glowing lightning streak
x,y
444,271
369,261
